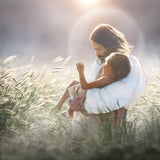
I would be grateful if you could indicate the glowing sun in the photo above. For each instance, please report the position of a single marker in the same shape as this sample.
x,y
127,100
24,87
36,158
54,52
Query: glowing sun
x,y
87,3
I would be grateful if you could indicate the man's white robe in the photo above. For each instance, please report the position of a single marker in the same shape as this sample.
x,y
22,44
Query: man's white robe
x,y
122,93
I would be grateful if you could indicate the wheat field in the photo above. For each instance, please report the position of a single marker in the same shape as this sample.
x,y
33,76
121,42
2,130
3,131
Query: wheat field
x,y
30,130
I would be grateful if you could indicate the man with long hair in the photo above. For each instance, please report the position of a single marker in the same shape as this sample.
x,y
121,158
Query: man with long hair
x,y
119,96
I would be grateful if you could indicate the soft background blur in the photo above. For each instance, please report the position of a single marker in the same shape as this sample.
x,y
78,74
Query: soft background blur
x,y
49,37
47,29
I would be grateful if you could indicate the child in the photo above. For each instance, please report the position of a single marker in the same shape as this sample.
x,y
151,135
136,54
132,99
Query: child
x,y
117,67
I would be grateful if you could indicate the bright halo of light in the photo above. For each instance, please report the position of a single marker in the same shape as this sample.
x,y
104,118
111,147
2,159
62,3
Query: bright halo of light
x,y
87,3
79,46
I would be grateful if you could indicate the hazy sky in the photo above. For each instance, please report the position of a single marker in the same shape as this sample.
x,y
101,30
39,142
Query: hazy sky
x,y
51,28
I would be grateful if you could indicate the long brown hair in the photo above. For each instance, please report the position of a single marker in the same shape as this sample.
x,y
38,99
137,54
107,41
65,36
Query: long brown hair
x,y
112,39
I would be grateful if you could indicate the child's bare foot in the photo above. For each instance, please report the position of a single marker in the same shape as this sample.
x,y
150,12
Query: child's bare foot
x,y
65,114
57,107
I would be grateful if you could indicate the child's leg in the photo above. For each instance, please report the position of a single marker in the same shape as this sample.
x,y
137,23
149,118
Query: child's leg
x,y
64,97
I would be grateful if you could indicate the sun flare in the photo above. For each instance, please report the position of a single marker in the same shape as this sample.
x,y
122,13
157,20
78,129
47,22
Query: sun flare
x,y
88,3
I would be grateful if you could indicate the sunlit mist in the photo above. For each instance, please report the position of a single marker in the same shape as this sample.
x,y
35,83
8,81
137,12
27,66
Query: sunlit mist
x,y
48,29
41,42
88,3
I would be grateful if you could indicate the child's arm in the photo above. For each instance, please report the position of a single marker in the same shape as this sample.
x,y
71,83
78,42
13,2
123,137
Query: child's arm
x,y
103,81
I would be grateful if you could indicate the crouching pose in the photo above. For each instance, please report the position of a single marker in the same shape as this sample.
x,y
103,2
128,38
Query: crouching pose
x,y
115,91
117,67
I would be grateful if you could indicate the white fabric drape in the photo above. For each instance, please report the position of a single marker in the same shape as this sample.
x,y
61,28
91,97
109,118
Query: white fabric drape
x,y
122,93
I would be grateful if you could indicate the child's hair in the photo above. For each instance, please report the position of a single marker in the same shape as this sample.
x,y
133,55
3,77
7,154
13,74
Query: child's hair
x,y
120,65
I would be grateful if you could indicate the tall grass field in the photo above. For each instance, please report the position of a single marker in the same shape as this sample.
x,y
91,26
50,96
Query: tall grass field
x,y
30,130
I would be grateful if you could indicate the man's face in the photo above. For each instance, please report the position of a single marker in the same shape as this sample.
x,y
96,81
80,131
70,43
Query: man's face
x,y
100,50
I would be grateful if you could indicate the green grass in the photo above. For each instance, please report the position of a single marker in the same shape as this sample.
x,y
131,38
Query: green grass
x,y
29,130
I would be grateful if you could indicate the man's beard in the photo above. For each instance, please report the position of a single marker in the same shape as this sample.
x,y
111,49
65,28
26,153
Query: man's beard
x,y
101,58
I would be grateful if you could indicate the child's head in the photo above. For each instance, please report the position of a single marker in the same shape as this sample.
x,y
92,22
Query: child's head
x,y
118,65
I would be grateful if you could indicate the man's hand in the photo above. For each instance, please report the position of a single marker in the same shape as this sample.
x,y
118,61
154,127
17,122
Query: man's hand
x,y
76,103
80,67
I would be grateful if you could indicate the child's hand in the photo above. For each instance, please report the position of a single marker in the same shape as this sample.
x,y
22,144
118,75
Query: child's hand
x,y
80,67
